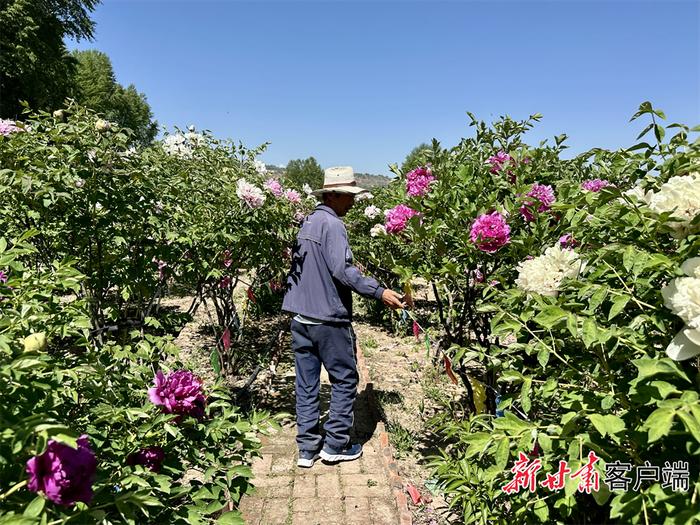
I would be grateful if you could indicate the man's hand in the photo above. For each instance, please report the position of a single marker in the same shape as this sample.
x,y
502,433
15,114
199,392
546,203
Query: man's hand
x,y
393,300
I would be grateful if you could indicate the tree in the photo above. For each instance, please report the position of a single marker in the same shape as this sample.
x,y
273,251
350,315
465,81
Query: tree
x,y
34,63
95,87
416,158
307,171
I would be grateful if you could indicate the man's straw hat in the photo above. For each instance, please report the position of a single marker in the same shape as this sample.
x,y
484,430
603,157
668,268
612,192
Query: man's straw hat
x,y
339,179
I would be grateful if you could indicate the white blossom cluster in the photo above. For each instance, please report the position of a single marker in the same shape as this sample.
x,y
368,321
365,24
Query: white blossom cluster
x,y
249,193
544,274
377,229
682,296
260,167
182,144
680,196
372,211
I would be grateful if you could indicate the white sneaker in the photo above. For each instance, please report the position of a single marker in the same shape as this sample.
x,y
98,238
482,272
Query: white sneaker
x,y
347,454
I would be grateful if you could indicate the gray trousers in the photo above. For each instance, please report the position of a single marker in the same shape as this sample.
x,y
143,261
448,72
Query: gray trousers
x,y
332,344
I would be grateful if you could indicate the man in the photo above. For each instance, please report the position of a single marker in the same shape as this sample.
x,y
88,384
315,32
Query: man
x,y
319,291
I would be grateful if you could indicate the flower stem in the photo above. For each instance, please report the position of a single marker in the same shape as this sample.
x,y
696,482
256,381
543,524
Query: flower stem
x,y
13,489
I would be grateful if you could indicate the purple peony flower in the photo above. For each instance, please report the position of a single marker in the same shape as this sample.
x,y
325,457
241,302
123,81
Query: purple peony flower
x,y
274,186
180,392
150,458
3,276
64,474
490,232
227,258
498,160
545,197
397,217
595,185
292,196
418,181
7,127
567,241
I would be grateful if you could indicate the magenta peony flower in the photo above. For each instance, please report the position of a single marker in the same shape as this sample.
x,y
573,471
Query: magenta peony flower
x,y
544,195
595,185
418,181
150,458
180,392
64,474
498,160
227,258
490,232
397,217
7,127
292,196
274,186
567,241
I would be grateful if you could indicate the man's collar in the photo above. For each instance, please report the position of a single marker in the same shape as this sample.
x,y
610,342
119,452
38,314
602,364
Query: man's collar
x,y
327,209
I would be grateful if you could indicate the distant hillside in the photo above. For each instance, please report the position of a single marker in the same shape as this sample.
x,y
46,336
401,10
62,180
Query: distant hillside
x,y
366,180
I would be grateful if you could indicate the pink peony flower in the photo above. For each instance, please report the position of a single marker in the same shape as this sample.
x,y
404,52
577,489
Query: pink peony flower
x,y
292,196
567,241
150,457
595,185
397,217
7,127
418,181
227,258
490,232
498,160
180,392
299,216
65,475
545,197
274,187
475,276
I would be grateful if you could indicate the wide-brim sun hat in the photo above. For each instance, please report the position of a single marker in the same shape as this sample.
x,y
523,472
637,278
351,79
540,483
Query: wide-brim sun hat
x,y
339,179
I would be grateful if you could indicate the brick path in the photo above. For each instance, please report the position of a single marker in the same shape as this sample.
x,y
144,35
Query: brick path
x,y
346,493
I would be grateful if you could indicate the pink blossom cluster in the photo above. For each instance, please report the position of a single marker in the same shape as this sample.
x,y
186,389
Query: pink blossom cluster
x,y
595,185
498,160
490,232
64,474
180,392
544,194
418,181
567,241
7,127
150,458
292,196
274,187
397,217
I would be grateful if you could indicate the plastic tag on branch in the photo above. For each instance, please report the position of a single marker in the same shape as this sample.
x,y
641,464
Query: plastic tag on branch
x,y
448,368
479,393
413,492
226,339
416,330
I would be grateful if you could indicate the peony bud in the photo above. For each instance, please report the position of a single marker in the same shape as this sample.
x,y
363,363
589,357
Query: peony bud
x,y
102,125
35,342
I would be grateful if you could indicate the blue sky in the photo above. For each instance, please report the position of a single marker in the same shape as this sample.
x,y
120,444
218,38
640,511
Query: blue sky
x,y
361,82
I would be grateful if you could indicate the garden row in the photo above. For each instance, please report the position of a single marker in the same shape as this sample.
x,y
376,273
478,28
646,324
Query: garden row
x,y
568,307
100,419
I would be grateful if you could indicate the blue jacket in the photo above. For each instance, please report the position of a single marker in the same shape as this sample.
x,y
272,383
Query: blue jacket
x,y
322,277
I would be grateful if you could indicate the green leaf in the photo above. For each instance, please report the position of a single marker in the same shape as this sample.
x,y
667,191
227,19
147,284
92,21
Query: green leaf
x,y
502,453
215,361
607,425
618,305
650,367
35,507
659,423
231,518
541,510
590,332
549,316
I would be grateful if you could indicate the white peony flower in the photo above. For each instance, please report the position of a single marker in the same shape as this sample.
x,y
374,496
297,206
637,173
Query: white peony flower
x,y
682,297
372,211
544,274
102,125
251,194
377,229
636,193
182,145
680,196
365,196
307,189
260,167
80,183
